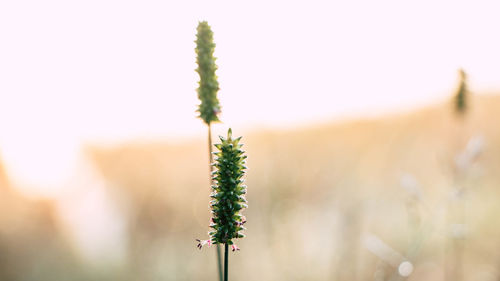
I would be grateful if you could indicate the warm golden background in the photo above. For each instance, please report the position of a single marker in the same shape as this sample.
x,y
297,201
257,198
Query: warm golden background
x,y
319,198
359,167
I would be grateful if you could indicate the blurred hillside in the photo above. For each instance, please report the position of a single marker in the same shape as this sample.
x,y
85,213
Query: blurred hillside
x,y
340,201
32,244
315,194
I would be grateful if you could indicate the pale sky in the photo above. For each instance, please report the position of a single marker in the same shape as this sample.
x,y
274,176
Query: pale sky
x,y
110,71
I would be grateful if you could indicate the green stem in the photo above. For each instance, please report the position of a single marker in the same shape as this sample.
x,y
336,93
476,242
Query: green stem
x,y
210,170
226,256
219,262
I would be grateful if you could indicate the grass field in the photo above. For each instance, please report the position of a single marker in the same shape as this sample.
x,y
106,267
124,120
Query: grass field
x,y
316,193
338,201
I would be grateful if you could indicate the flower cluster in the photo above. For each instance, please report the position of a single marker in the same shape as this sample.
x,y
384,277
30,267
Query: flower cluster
x,y
208,85
228,196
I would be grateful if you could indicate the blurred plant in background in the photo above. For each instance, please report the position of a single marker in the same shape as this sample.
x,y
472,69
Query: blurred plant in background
x,y
461,97
456,225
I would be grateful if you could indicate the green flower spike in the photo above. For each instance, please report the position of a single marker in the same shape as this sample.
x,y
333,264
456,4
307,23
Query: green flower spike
x,y
208,85
228,197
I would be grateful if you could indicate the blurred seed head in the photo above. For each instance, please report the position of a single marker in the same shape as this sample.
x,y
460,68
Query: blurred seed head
x,y
410,184
461,99
457,193
385,252
470,154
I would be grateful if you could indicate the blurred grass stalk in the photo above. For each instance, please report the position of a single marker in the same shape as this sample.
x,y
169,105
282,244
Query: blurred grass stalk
x,y
207,93
456,208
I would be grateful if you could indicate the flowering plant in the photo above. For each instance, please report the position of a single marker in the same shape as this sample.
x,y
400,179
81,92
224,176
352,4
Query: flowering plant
x,y
228,196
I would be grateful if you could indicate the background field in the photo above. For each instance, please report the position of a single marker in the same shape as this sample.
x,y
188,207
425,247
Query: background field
x,y
337,201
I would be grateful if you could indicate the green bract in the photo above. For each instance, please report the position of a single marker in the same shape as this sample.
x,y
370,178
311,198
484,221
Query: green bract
x,y
228,192
208,85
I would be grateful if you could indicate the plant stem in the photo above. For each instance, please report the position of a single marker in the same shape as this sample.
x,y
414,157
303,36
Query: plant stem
x,y
226,256
210,170
219,262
